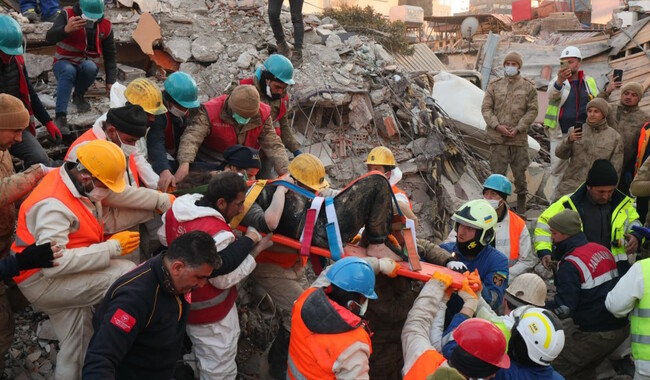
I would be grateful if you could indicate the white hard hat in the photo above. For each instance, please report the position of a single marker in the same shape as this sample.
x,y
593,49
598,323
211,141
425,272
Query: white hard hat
x,y
571,52
541,331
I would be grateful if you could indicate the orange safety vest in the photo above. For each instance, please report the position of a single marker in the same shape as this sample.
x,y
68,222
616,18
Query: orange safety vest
x,y
643,145
89,135
74,47
397,190
312,355
517,226
91,230
428,362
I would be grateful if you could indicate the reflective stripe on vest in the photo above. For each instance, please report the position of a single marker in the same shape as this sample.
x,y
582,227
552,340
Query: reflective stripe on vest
x,y
223,135
91,230
397,191
516,226
553,109
426,364
640,318
595,263
313,355
74,47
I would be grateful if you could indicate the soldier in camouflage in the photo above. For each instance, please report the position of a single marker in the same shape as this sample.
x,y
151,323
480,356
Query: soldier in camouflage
x,y
509,108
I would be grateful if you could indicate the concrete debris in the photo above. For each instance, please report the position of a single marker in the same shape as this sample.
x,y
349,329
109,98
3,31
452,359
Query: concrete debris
x,y
333,41
37,64
206,49
329,56
179,48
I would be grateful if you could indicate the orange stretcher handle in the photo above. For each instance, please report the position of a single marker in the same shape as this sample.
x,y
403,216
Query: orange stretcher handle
x,y
352,250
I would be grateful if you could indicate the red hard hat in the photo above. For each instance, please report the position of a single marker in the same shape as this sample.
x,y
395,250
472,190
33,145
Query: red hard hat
x,y
483,340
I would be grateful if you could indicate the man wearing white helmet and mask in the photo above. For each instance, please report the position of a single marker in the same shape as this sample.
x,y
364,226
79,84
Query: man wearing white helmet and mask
x,y
568,95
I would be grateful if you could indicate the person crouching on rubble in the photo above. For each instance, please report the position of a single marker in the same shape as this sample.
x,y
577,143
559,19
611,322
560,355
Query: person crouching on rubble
x,y
478,349
586,273
213,324
329,335
66,208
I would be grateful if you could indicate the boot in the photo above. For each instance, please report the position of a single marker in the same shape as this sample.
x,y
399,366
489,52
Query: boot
x,y
521,204
284,48
31,15
296,58
80,102
278,354
61,122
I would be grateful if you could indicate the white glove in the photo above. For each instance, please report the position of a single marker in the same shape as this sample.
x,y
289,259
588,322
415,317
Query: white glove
x,y
46,169
457,266
257,236
388,267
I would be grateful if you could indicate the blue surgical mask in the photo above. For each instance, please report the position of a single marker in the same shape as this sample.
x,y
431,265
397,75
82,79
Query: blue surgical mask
x,y
240,119
511,71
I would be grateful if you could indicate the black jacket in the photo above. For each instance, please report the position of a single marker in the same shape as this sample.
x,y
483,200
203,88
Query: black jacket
x,y
10,84
156,139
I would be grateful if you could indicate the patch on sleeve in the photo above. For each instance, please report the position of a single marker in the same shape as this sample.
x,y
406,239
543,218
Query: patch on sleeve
x,y
498,279
123,320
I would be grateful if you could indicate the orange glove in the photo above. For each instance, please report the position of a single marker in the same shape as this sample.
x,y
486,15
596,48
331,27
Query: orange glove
x,y
388,267
164,203
470,299
474,280
128,240
446,281
356,239
393,240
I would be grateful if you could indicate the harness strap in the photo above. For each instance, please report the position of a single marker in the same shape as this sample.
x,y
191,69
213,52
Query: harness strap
x,y
251,196
333,230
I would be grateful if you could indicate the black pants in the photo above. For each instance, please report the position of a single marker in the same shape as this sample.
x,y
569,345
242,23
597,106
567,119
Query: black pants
x,y
275,7
29,150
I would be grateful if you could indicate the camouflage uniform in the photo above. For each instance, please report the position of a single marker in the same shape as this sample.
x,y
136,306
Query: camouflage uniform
x,y
597,142
512,102
627,121
640,187
191,145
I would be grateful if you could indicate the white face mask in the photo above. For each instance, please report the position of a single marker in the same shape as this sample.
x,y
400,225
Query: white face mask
x,y
98,193
494,203
128,149
177,111
364,307
511,71
268,91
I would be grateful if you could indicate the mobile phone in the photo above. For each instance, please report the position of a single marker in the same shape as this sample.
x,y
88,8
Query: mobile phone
x,y
578,127
564,65
618,75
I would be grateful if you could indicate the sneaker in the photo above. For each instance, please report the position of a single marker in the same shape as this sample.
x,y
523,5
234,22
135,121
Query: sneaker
x,y
284,48
296,58
81,103
61,122
31,15
51,17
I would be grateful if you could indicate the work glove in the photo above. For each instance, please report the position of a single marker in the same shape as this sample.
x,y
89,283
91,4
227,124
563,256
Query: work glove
x,y
388,267
36,256
470,299
253,234
297,153
445,280
457,266
46,169
474,280
128,240
54,131
164,202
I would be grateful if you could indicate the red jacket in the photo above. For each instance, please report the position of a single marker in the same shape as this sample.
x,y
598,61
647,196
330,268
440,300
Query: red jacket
x,y
74,47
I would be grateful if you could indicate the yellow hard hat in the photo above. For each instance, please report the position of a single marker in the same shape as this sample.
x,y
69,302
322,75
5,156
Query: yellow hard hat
x,y
381,156
143,92
310,171
105,161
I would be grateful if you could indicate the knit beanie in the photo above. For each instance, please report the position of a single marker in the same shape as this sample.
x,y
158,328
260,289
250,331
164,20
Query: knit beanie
x,y
514,56
13,114
601,104
602,173
445,373
566,222
245,101
130,119
242,157
633,86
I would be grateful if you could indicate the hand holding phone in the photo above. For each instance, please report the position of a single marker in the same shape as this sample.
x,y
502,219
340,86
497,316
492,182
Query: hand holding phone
x,y
618,75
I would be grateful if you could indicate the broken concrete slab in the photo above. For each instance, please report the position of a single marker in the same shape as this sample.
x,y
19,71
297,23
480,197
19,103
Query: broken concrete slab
x,y
333,41
360,111
323,151
126,73
147,33
179,48
245,59
37,64
191,68
206,49
45,330
329,56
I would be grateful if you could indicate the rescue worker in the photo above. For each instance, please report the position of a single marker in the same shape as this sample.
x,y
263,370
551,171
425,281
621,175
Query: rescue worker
x,y
274,10
15,82
607,216
214,327
238,118
49,10
272,81
65,208
568,95
475,223
581,147
246,162
586,273
643,152
14,119
509,108
82,35
640,187
123,127
627,119
629,295
180,96
330,337
140,323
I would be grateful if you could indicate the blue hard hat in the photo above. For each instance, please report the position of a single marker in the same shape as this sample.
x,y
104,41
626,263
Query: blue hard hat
x,y
183,89
93,9
353,274
498,182
281,68
11,36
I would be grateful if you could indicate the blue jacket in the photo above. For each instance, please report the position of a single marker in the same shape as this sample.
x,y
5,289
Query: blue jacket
x,y
520,372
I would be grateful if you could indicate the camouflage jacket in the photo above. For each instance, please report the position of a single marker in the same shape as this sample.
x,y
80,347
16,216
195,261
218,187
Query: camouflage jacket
x,y
512,102
597,142
640,187
191,145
